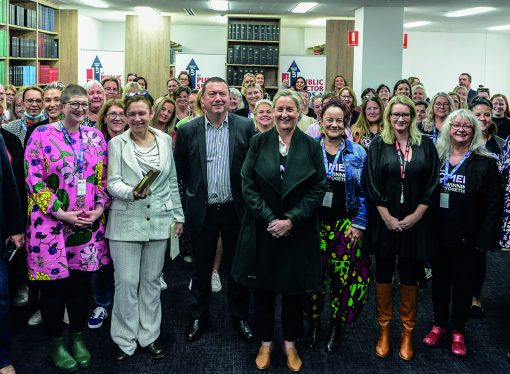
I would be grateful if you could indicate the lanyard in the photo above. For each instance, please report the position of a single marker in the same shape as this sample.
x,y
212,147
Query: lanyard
x,y
447,174
329,172
24,124
79,160
403,163
434,135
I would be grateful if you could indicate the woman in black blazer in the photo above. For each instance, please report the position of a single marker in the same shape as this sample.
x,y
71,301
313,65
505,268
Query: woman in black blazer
x,y
468,222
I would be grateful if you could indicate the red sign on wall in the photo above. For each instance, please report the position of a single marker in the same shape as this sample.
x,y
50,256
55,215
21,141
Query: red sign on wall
x,y
405,41
353,38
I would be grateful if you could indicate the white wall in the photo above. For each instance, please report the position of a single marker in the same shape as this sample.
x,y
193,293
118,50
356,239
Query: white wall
x,y
314,36
200,39
439,58
114,36
90,34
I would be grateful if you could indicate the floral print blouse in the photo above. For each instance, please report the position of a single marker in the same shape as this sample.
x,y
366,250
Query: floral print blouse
x,y
54,247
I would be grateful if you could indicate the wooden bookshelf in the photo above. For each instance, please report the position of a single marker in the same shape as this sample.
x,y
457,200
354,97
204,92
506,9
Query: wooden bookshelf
x,y
253,46
31,39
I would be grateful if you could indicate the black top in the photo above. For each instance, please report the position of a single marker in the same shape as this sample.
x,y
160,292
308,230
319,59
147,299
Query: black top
x,y
243,112
503,124
336,186
311,113
384,189
475,203
354,117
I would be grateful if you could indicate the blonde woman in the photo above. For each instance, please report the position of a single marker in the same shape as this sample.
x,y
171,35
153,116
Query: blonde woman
x,y
164,115
263,115
440,106
130,88
370,121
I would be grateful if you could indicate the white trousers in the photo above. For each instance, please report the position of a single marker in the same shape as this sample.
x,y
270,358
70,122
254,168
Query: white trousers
x,y
136,314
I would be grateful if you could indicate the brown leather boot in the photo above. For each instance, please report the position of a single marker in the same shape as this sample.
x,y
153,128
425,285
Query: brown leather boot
x,y
408,296
384,305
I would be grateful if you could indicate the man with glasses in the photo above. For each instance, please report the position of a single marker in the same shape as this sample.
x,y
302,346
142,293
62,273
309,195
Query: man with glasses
x,y
33,114
111,88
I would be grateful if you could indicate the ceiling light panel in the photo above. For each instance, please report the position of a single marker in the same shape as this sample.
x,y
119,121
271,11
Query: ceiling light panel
x,y
95,3
219,5
469,11
303,7
410,25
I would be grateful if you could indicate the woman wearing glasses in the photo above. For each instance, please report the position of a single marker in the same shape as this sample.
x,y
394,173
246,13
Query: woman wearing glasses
x,y
402,174
181,99
96,94
347,94
468,223
440,106
66,179
139,228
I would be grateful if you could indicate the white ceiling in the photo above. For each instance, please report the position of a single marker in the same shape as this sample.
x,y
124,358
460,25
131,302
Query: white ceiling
x,y
422,10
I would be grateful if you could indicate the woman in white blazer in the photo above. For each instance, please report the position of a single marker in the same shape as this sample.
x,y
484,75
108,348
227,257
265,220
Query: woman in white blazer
x,y
139,228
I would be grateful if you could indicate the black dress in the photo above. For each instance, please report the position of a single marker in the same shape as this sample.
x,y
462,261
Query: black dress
x,y
503,124
420,186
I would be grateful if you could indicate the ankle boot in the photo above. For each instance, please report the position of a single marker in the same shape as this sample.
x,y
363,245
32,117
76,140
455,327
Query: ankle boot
x,y
384,306
313,334
79,350
333,340
60,357
408,295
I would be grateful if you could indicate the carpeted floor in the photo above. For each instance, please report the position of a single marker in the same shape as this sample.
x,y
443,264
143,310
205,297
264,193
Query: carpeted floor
x,y
221,350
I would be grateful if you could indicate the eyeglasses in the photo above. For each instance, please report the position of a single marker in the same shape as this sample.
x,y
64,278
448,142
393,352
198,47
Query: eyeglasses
x,y
10,94
466,128
111,89
113,115
398,115
31,101
346,97
441,105
75,105
19,105
138,93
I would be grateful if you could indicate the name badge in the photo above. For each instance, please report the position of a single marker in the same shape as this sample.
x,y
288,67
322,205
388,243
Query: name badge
x,y
444,200
328,199
82,187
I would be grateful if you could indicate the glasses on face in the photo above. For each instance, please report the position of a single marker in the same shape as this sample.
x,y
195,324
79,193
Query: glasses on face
x,y
442,105
466,128
398,115
75,105
346,97
113,115
19,105
32,101
9,94
330,121
113,89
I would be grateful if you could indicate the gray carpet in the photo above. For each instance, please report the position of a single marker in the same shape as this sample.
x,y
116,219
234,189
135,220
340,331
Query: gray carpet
x,y
222,351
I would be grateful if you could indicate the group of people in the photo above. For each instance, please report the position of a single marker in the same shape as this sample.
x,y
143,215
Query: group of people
x,y
298,193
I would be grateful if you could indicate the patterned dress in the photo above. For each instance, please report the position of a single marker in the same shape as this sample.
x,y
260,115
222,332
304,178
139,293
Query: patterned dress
x,y
53,247
504,170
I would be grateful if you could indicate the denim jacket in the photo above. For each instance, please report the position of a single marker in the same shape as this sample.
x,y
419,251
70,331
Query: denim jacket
x,y
353,158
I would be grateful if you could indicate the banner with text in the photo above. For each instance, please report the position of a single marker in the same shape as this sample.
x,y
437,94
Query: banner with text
x,y
97,65
200,67
312,68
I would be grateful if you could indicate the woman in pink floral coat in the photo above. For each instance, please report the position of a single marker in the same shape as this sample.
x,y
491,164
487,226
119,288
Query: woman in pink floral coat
x,y
65,167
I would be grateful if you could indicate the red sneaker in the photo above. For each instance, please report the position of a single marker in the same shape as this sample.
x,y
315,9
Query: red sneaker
x,y
433,338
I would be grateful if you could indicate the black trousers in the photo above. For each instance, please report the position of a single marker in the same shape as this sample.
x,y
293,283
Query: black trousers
x,y
218,219
453,280
72,292
292,315
479,273
409,270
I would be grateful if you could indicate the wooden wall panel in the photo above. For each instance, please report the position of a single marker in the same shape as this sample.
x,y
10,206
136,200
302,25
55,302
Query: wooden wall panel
x,y
68,46
340,57
147,51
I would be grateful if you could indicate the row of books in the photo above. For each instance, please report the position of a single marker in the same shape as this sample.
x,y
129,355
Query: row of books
x,y
22,16
3,9
23,47
248,31
47,74
22,75
236,74
47,46
253,54
46,18
3,42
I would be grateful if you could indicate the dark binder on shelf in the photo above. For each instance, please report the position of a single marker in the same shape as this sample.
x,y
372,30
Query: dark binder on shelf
x,y
238,31
230,55
262,32
230,76
256,54
237,54
263,55
273,32
256,33
277,33
269,55
244,54
249,32
250,55
243,31
276,55
235,77
230,30
268,32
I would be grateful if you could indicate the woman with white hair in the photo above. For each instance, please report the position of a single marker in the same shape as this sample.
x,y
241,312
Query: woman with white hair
x,y
468,222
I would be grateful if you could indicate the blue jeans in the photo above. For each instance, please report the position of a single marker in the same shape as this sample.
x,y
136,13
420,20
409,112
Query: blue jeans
x,y
4,316
103,286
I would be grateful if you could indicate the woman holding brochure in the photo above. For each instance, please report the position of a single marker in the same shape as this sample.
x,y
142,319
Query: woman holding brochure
x,y
139,227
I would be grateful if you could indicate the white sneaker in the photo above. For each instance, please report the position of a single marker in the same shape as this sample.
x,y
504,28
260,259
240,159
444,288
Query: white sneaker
x,y
215,282
97,317
21,297
162,282
190,283
66,317
36,318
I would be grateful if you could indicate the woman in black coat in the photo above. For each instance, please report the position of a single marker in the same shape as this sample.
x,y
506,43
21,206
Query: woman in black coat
x,y
468,222
278,247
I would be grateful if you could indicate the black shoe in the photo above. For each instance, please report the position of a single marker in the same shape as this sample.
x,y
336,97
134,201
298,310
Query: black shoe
x,y
119,356
333,341
155,350
195,329
243,328
476,311
313,334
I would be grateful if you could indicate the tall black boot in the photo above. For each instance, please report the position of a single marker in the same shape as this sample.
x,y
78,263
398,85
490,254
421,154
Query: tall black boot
x,y
313,333
333,340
